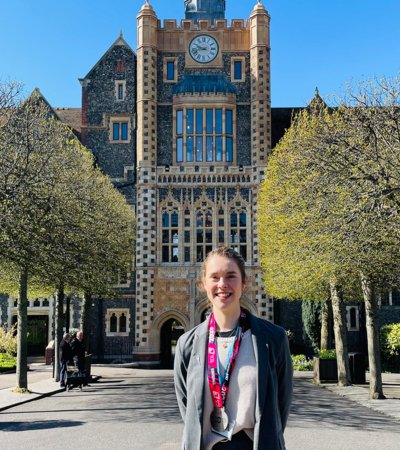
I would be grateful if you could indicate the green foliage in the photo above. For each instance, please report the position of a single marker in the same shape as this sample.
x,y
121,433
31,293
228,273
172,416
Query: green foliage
x,y
390,346
311,315
326,354
7,361
8,340
302,363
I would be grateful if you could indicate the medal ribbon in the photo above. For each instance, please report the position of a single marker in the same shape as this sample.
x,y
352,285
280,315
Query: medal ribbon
x,y
219,388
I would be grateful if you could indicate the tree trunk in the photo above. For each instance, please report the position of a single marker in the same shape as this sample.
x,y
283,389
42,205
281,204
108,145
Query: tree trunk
x,y
58,330
375,373
67,314
325,324
22,317
86,319
340,336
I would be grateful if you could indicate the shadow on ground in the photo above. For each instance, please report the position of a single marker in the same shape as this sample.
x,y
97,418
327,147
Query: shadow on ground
x,y
38,425
315,404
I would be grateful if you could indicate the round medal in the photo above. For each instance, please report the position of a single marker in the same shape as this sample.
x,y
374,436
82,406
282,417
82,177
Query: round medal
x,y
219,419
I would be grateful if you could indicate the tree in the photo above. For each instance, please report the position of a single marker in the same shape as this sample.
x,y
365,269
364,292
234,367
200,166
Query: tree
x,y
68,228
348,170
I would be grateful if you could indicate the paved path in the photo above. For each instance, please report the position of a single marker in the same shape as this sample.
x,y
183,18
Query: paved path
x,y
136,410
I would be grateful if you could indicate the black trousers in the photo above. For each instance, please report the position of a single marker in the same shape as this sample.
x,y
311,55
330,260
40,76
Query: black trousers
x,y
240,441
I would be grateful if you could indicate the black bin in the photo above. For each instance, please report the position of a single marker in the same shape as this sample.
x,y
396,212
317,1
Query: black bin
x,y
357,367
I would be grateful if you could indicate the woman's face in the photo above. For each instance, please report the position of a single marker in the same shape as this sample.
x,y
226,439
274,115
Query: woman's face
x,y
223,283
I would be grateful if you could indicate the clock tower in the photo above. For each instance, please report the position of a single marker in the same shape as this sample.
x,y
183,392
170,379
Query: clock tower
x,y
203,136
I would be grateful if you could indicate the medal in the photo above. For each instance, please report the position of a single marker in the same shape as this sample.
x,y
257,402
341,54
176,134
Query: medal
x,y
219,419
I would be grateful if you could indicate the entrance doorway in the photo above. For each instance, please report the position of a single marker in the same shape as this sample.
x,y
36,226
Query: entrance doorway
x,y
38,329
169,334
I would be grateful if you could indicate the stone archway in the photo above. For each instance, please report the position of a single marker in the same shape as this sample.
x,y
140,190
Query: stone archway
x,y
165,331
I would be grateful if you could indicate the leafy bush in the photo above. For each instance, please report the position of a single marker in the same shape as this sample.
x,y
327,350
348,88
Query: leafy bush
x,y
390,346
7,361
302,363
326,354
8,340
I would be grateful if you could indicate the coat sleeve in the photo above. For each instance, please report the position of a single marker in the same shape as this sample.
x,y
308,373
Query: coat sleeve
x,y
285,380
180,376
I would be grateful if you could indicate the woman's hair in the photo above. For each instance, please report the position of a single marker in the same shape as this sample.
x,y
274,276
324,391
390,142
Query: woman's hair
x,y
229,253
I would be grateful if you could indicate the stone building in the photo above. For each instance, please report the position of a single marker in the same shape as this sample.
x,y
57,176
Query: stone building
x,y
183,127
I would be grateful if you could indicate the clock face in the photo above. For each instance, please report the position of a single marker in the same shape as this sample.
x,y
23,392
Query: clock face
x,y
203,48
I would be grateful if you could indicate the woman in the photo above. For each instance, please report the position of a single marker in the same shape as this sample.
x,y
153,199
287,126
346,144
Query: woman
x,y
233,372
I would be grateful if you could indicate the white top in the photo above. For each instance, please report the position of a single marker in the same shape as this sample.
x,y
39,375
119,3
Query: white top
x,y
241,402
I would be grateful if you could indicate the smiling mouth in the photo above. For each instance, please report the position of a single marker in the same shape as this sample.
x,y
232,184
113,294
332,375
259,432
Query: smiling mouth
x,y
223,294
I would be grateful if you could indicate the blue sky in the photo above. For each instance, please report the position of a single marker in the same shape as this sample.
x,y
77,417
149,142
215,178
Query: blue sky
x,y
50,44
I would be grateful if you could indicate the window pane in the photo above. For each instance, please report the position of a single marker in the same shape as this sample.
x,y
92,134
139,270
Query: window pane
x,y
124,131
199,255
234,237
199,148
209,121
218,148
189,149
199,121
243,237
218,121
221,222
199,236
243,252
209,236
208,249
208,219
165,220
189,121
165,255
179,121
179,149
221,237
120,91
170,70
113,323
174,219
199,219
122,323
165,236
116,131
234,220
175,237
242,219
187,237
174,254
210,149
229,149
237,70
228,122
187,254
187,222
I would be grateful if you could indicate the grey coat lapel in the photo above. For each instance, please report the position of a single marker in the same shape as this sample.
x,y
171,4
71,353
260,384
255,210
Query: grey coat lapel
x,y
199,360
261,352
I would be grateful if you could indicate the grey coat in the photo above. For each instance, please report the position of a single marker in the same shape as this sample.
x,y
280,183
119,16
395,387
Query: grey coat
x,y
274,386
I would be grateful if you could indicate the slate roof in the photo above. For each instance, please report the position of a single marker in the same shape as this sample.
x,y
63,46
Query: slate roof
x,y
207,83
71,116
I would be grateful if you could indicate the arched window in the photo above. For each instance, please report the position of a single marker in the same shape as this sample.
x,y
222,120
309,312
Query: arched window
x,y
122,323
117,322
113,323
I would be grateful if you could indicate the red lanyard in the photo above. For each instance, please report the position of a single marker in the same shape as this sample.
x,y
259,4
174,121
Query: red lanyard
x,y
219,391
